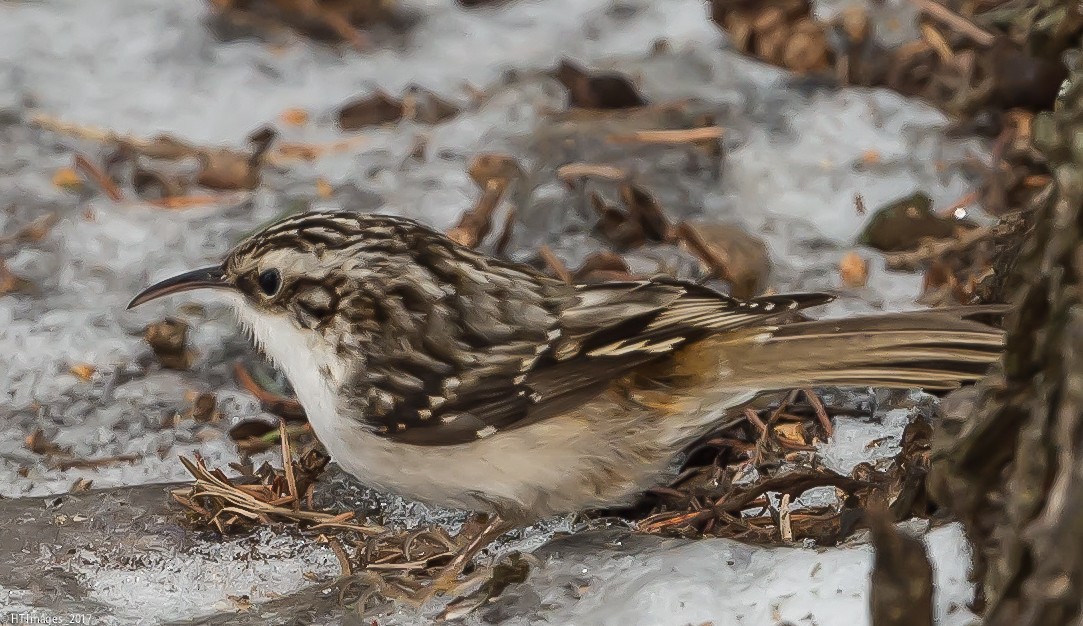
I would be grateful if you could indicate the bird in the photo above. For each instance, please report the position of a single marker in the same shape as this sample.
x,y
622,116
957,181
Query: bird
x,y
448,376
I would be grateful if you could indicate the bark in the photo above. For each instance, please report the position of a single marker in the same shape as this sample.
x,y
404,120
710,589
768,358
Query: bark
x,y
902,577
1013,473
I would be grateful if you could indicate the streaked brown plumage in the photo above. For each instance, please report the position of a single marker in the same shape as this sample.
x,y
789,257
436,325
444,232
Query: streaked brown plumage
x,y
454,378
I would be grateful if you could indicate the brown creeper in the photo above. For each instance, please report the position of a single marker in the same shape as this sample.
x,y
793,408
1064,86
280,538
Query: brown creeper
x,y
451,377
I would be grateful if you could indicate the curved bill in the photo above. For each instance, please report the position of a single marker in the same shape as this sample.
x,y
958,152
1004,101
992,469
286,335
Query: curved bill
x,y
203,278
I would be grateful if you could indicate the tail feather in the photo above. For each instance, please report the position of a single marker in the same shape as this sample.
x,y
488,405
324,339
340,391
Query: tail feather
x,y
935,349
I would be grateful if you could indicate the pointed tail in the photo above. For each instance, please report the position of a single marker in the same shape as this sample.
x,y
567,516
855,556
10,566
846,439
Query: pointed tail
x,y
933,349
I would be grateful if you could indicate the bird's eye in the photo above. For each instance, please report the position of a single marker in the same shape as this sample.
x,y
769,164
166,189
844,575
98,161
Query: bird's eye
x,y
270,281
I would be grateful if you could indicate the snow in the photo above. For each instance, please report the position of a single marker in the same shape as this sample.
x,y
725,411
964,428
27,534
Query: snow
x,y
796,157
727,583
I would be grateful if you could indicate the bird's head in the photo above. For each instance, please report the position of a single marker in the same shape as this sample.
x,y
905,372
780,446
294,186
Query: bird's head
x,y
329,272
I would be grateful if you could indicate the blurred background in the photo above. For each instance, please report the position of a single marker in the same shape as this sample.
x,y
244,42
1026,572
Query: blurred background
x,y
865,148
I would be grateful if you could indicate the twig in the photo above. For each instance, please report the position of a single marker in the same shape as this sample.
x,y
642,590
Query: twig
x,y
716,263
475,224
280,153
67,464
553,262
340,554
34,231
937,42
287,464
91,170
821,411
280,405
785,528
961,24
215,487
573,171
933,249
755,419
669,137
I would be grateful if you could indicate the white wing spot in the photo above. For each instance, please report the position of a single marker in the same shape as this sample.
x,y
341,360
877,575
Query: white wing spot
x,y
424,414
567,350
437,401
553,334
770,306
488,431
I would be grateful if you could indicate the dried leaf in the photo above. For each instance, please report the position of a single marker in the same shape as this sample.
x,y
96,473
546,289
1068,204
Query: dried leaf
x,y
67,178
169,341
729,252
294,117
83,371
854,270
379,108
492,166
597,90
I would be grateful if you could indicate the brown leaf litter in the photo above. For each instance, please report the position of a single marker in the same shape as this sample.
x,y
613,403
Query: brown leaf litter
x,y
323,20
169,341
62,458
597,90
417,104
715,497
971,59
159,169
386,563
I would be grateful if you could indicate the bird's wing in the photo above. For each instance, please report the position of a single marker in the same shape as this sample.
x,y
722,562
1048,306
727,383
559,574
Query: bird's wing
x,y
593,335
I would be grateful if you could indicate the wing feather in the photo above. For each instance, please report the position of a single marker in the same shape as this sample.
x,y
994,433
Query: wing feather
x,y
599,333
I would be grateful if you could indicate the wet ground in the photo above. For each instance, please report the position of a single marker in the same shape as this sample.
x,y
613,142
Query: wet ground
x,y
796,154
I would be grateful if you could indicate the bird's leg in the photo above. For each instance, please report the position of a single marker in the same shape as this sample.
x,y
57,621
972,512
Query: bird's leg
x,y
495,527
445,579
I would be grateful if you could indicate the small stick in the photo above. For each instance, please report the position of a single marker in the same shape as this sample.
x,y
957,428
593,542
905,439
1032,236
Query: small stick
x,y
784,525
280,152
755,419
271,402
554,263
342,27
962,25
475,224
188,202
287,464
937,42
572,171
821,411
340,554
67,464
936,248
91,170
669,137
715,262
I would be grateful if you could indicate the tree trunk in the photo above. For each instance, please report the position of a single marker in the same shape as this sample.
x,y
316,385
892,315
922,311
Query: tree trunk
x,y
1013,471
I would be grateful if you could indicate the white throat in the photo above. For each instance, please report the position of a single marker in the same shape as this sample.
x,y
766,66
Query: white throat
x,y
313,369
